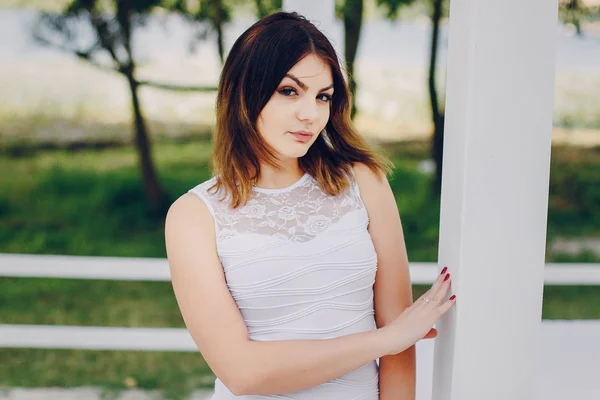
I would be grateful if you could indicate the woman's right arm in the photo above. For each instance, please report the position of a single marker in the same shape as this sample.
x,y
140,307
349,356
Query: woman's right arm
x,y
275,367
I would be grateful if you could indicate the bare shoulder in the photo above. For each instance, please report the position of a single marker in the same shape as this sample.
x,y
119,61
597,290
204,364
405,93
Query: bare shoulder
x,y
372,183
189,227
187,210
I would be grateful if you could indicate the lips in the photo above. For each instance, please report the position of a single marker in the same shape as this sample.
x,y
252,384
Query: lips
x,y
302,136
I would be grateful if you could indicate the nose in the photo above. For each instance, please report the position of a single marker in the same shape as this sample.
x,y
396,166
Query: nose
x,y
307,109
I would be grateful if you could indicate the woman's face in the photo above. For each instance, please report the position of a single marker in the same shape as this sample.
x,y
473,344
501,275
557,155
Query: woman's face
x,y
299,108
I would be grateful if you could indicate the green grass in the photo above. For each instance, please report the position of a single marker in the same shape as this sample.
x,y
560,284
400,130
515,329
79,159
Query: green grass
x,y
176,374
574,193
91,202
88,303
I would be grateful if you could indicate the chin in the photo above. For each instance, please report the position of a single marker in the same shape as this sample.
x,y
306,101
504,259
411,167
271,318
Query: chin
x,y
294,153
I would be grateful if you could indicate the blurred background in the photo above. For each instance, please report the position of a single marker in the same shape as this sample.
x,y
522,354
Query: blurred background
x,y
107,109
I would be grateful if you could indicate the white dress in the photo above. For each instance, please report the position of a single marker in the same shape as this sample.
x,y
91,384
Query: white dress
x,y
300,264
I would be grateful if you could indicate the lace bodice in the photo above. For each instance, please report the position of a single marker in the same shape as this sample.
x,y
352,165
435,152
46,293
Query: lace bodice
x,y
299,212
300,264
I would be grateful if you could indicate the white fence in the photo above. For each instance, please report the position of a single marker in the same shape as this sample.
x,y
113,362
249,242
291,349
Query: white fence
x,y
157,269
147,269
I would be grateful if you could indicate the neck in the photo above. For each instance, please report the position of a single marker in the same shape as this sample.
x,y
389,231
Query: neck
x,y
273,178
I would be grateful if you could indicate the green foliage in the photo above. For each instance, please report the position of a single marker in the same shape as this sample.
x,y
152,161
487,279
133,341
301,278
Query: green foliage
x,y
575,196
392,7
266,7
80,5
574,11
111,21
213,11
137,6
420,214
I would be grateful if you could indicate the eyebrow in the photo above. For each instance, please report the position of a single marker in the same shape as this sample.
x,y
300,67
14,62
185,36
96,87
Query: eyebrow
x,y
303,85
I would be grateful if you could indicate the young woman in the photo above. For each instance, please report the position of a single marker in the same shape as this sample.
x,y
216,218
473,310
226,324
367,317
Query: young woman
x,y
289,265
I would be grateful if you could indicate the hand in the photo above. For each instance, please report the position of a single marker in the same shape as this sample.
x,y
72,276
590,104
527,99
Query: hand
x,y
416,321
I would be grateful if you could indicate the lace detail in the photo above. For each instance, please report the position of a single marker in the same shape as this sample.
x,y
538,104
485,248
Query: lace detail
x,y
298,213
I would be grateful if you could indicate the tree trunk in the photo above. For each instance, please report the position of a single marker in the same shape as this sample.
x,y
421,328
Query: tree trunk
x,y
575,7
218,25
219,29
156,197
437,146
353,16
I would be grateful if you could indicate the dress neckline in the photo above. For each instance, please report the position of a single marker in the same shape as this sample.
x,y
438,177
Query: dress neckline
x,y
284,189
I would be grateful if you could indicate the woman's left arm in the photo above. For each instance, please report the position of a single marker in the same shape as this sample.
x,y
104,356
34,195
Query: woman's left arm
x,y
393,290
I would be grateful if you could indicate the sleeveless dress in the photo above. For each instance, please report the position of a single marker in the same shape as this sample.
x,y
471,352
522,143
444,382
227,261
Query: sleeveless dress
x,y
300,264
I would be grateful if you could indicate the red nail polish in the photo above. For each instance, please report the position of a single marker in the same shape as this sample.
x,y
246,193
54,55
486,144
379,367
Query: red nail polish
x,y
452,297
444,271
446,278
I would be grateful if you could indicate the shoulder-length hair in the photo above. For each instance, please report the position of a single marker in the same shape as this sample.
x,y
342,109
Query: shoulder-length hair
x,y
256,64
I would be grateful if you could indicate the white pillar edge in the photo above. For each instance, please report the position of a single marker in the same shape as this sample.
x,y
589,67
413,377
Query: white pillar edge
x,y
499,100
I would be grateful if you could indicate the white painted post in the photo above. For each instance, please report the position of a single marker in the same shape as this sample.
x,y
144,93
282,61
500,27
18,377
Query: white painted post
x,y
322,14
494,197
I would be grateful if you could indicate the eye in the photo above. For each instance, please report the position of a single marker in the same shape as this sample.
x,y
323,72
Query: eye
x,y
325,97
287,91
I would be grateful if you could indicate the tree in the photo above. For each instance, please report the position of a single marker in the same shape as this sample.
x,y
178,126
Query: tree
x,y
111,34
352,15
437,112
91,29
215,12
576,11
570,12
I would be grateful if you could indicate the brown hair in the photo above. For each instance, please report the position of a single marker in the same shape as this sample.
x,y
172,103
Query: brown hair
x,y
256,64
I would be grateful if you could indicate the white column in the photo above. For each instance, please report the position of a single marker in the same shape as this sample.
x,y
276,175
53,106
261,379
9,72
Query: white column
x,y
322,14
494,196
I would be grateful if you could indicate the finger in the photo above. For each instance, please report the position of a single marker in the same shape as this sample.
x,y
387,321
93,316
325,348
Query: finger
x,y
440,290
424,300
421,297
447,305
430,294
443,290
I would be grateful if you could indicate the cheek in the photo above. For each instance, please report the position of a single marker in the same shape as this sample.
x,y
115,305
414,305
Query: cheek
x,y
272,113
269,122
324,115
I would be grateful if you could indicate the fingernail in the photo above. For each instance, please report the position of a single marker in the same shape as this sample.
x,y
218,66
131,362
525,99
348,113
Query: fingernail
x,y
446,278
444,271
452,297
